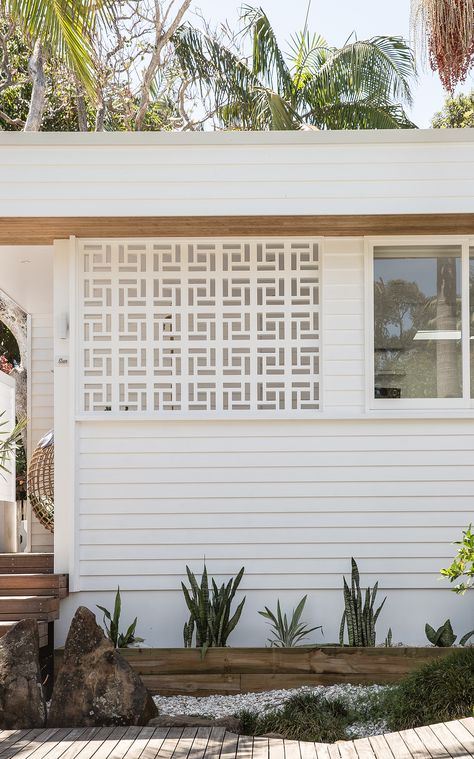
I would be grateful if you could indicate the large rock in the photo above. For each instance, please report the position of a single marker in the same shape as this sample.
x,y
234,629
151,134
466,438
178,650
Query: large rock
x,y
22,703
95,686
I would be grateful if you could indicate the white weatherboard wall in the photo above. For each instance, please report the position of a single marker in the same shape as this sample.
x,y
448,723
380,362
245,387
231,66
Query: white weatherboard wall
x,y
153,174
26,275
291,500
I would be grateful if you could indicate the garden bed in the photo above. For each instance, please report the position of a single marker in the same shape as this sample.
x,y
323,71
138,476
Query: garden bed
x,y
176,671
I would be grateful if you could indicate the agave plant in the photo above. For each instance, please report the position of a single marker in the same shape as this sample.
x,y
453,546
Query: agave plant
x,y
359,618
288,633
210,610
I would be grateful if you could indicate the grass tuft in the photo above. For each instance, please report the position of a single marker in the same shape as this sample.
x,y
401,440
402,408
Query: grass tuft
x,y
304,717
440,691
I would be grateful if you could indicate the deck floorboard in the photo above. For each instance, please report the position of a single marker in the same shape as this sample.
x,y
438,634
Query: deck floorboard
x,y
450,740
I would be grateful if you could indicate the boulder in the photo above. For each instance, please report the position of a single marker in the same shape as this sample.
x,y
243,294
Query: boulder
x,y
231,724
95,686
22,703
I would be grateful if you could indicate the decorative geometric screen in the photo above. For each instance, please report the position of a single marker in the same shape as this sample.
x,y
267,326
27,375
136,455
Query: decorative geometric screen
x,y
193,326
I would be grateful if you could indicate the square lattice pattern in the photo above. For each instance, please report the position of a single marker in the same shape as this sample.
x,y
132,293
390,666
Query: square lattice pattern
x,y
215,327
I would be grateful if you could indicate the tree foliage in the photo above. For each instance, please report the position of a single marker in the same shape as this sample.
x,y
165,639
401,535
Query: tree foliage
x,y
137,84
457,112
64,28
363,84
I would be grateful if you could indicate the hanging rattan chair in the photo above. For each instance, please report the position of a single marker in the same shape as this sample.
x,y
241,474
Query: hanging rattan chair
x,y
41,481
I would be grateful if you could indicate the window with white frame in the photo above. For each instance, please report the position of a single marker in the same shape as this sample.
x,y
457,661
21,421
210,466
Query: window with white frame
x,y
423,323
195,326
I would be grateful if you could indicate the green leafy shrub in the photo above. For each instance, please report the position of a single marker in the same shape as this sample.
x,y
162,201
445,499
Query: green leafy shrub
x,y
112,625
437,692
360,619
288,634
463,564
210,610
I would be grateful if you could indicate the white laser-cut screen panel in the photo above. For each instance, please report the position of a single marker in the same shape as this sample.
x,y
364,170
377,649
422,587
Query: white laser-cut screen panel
x,y
185,327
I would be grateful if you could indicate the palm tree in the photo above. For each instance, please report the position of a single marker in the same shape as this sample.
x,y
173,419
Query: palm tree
x,y
62,28
362,85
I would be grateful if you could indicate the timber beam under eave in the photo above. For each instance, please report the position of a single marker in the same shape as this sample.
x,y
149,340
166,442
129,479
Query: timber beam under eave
x,y
42,230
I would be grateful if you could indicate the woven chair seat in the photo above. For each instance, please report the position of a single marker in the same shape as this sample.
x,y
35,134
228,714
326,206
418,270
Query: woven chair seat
x,y
41,481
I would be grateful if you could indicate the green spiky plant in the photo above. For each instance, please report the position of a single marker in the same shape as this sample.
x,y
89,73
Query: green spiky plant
x,y
444,636
9,441
288,634
359,618
112,625
210,610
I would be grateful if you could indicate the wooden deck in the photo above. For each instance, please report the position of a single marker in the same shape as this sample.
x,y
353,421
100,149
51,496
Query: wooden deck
x,y
452,740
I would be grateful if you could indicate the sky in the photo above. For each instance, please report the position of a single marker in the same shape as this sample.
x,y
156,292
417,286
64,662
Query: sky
x,y
336,20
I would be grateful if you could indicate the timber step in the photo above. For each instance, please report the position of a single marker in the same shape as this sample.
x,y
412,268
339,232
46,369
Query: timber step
x,y
30,589
42,630
23,563
42,608
34,584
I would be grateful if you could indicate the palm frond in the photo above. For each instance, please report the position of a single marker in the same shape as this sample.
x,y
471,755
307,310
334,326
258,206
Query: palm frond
x,y
379,67
307,55
359,114
268,61
210,63
64,27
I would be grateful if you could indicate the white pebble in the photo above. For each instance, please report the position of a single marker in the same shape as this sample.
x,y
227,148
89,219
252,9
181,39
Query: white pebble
x,y
274,700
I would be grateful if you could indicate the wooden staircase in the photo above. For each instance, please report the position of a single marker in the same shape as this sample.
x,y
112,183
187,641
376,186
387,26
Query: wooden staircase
x,y
29,589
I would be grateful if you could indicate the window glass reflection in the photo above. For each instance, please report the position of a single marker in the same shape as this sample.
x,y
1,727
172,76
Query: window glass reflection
x,y
417,329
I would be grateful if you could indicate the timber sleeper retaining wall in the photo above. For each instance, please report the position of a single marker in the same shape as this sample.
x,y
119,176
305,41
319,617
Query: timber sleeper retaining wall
x,y
178,671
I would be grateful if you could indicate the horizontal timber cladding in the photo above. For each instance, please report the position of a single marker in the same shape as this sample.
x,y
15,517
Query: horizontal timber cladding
x,y
44,230
292,501
171,671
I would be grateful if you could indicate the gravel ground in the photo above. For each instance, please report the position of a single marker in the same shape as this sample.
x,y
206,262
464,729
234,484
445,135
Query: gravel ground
x,y
274,700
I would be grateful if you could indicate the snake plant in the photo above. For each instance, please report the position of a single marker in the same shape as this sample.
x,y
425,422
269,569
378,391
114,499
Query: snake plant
x,y
359,618
210,620
112,625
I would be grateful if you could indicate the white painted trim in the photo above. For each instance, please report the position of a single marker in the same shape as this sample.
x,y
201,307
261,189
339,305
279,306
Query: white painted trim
x,y
420,404
465,309
322,303
29,426
369,323
322,137
65,534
